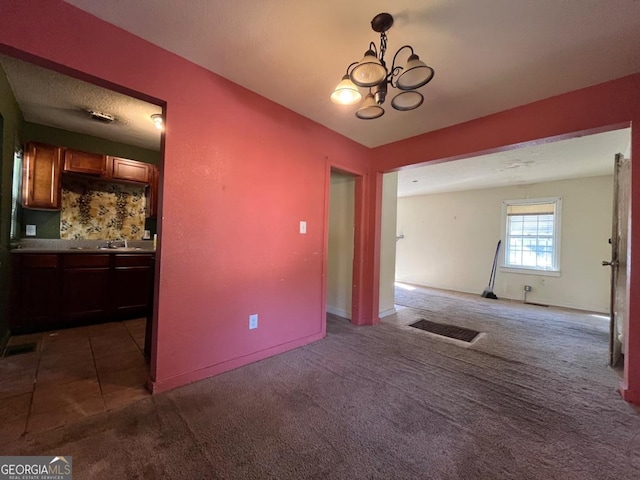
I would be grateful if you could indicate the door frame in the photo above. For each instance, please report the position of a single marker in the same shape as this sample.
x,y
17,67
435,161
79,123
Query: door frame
x,y
359,292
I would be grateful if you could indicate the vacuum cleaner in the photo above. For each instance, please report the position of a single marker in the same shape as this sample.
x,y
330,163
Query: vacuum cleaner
x,y
488,292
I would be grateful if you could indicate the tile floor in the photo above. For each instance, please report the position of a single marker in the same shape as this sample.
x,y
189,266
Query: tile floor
x,y
72,374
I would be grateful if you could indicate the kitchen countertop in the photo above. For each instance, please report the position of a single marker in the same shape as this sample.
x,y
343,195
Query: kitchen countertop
x,y
82,250
34,245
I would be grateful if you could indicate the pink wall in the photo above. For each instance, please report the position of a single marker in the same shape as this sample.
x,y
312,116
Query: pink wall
x,y
240,172
602,107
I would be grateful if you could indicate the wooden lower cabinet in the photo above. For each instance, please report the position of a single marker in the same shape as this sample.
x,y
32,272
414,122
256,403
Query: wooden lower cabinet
x,y
133,277
85,286
52,291
36,292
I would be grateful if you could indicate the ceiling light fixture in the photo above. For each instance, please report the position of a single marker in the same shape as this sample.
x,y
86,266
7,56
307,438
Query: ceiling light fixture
x,y
101,116
157,120
371,72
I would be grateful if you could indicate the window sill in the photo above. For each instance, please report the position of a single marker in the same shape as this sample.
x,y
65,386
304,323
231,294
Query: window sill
x,y
531,271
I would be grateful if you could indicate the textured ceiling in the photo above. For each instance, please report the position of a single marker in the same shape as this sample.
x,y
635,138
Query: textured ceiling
x,y
488,55
588,156
50,98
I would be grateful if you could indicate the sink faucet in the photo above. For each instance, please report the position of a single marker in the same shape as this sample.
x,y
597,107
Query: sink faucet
x,y
112,243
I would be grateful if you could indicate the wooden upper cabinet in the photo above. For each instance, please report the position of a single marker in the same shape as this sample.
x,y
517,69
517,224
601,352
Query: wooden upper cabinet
x,y
83,162
41,177
129,170
152,193
43,165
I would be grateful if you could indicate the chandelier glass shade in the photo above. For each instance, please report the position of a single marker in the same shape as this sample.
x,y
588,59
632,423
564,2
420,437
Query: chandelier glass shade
x,y
415,74
346,93
371,72
369,109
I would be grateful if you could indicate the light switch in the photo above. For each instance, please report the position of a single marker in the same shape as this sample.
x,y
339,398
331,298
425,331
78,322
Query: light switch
x,y
303,227
31,231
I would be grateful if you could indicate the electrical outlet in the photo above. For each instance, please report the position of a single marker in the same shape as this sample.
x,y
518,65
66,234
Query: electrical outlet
x,y
303,227
527,288
30,231
253,321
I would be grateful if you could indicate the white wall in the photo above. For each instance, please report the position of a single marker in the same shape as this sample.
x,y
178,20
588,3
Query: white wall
x,y
388,244
450,240
340,261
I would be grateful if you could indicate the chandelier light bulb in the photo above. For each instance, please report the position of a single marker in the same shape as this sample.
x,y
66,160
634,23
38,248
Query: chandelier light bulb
x,y
346,93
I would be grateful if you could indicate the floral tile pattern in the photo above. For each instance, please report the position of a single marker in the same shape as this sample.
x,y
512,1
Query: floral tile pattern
x,y
97,210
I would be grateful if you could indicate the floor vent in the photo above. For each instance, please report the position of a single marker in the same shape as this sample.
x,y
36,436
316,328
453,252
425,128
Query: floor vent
x,y
450,331
12,350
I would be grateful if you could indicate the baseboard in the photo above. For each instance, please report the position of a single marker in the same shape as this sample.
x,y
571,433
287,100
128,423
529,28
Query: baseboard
x,y
170,383
387,312
539,301
339,312
630,395
4,340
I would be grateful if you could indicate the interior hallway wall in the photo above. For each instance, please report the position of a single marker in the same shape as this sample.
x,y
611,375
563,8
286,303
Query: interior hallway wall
x,y
388,243
340,252
239,174
450,240
11,127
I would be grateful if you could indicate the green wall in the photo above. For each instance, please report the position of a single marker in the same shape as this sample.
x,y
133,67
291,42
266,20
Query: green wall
x,y
32,132
48,222
11,127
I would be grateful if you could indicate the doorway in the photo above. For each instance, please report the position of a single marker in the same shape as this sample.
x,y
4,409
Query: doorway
x,y
103,365
341,240
447,239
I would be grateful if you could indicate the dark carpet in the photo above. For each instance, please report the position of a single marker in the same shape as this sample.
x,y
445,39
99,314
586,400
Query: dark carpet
x,y
384,402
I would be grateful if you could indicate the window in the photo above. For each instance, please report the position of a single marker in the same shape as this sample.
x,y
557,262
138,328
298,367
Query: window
x,y
532,235
15,194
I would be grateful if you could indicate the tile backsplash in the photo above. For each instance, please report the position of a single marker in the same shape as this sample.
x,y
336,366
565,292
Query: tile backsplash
x,y
93,209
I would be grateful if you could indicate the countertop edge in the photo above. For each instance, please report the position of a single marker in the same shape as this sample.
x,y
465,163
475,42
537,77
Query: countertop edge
x,y
81,251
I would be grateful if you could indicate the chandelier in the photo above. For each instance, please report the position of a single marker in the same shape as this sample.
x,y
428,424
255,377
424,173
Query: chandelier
x,y
371,72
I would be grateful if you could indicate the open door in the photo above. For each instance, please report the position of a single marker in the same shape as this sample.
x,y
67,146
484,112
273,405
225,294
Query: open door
x,y
618,263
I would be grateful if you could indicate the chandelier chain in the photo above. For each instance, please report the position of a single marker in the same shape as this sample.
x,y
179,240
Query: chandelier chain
x,y
383,46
